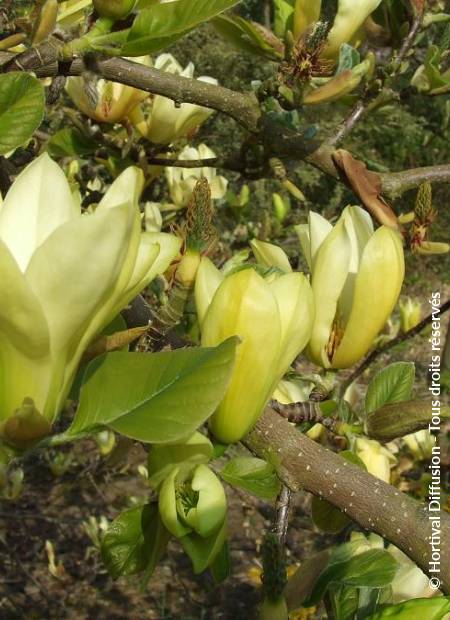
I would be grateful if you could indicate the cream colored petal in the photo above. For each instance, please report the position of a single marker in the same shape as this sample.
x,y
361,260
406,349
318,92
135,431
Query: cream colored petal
x,y
207,282
74,272
302,231
39,201
270,255
22,320
126,189
295,301
377,288
329,276
319,229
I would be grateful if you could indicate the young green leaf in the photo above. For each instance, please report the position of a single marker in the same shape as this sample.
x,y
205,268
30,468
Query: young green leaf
x,y
161,25
69,142
134,542
154,397
22,109
393,384
254,475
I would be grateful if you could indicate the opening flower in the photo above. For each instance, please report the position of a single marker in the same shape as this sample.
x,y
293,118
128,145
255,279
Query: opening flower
x,y
357,275
64,276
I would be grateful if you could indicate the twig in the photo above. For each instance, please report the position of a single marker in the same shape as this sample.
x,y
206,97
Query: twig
x,y
389,345
409,41
281,520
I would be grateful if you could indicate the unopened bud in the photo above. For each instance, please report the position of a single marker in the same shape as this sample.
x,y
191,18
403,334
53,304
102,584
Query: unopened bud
x,y
45,22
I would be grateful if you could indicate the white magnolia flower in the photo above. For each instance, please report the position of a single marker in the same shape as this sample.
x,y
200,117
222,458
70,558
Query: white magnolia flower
x,y
182,181
64,276
166,121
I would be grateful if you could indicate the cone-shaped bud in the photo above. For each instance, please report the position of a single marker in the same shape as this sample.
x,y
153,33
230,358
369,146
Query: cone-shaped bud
x,y
273,318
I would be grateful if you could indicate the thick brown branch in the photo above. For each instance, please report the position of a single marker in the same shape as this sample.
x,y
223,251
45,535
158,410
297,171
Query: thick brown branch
x,y
243,107
373,504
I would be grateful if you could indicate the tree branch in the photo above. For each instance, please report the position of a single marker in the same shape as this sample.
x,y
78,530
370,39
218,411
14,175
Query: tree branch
x,y
279,140
376,506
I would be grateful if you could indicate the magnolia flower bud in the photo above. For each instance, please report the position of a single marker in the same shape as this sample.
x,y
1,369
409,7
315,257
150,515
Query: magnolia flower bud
x,y
273,318
114,9
45,22
193,504
357,275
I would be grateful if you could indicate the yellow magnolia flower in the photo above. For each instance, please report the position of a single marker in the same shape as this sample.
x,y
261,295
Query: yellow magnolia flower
x,y
377,459
115,101
357,275
182,181
165,121
273,318
349,20
64,276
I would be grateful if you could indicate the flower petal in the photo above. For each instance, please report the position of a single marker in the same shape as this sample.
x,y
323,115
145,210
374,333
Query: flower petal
x,y
127,188
377,288
329,276
207,282
244,306
75,271
270,255
39,201
296,307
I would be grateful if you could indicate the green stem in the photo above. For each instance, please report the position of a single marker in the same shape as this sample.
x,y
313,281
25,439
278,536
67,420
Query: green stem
x,y
83,44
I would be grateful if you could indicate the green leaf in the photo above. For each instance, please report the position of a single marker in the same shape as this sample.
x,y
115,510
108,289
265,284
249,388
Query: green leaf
x,y
221,565
254,475
22,109
393,384
426,608
154,397
375,568
245,36
134,542
204,551
349,57
327,517
69,142
161,25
